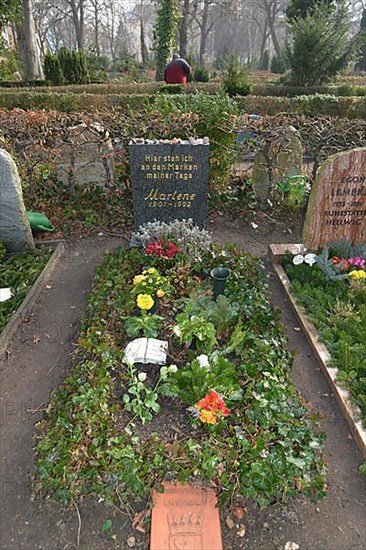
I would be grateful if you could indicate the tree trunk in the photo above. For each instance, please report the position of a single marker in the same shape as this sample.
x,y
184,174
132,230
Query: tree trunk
x,y
183,30
96,31
144,52
204,31
264,43
32,65
78,20
270,13
361,64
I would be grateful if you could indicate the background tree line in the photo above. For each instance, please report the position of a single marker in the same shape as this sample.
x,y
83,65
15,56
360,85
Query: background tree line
x,y
116,34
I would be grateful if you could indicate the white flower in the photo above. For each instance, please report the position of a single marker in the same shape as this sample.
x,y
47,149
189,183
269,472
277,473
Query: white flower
x,y
142,376
173,368
203,361
177,331
254,225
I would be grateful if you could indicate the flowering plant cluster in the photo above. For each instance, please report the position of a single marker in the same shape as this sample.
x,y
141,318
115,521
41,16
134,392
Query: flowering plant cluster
x,y
353,267
148,286
163,249
357,274
345,264
210,408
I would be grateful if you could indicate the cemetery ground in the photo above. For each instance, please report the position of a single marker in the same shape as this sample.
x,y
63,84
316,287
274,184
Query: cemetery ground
x,y
38,360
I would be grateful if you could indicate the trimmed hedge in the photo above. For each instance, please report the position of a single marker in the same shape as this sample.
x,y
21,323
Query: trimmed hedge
x,y
316,105
343,107
272,90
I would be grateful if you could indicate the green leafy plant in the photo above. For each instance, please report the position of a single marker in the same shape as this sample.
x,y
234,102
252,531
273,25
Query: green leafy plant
x,y
194,380
139,398
197,331
147,324
293,190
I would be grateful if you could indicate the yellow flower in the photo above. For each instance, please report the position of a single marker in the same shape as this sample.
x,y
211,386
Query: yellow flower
x,y
144,301
357,274
151,270
138,279
160,293
209,417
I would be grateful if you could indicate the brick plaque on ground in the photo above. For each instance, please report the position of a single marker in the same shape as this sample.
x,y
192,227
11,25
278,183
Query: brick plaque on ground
x,y
169,182
185,517
337,204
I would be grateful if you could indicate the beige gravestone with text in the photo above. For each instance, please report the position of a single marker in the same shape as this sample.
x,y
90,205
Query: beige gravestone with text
x,y
337,203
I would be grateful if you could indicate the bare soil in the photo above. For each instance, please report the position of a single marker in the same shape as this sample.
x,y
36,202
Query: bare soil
x,y
38,360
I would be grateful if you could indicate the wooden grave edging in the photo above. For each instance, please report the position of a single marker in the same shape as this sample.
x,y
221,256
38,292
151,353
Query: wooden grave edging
x,y
350,411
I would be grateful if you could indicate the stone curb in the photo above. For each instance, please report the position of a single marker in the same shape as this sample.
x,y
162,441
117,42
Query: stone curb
x,y
350,411
16,319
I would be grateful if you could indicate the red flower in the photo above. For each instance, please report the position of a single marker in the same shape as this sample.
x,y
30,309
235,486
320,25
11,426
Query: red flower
x,y
213,401
162,249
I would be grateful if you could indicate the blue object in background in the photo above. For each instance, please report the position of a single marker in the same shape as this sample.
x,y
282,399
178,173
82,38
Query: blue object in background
x,y
247,135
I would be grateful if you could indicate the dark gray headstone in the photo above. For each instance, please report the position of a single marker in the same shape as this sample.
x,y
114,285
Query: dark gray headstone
x,y
169,182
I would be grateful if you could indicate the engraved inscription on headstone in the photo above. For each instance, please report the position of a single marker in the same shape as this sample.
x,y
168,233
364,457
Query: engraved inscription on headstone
x,y
337,203
169,182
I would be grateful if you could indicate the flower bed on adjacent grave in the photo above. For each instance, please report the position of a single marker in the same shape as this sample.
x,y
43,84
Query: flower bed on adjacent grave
x,y
19,272
333,293
221,410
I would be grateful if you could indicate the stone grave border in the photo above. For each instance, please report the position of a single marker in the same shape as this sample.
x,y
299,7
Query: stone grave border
x,y
349,410
16,319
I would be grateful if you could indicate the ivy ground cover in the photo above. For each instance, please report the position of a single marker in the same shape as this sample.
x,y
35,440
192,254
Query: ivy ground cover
x,y
19,272
333,293
222,410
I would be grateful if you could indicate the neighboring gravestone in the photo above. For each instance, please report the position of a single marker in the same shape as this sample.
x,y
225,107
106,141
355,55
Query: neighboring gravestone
x,y
337,203
284,158
261,178
169,181
15,230
86,157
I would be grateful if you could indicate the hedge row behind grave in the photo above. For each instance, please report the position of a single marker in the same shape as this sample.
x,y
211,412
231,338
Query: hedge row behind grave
x,y
112,87
343,107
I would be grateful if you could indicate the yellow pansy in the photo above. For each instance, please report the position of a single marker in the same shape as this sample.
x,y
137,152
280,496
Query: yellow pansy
x,y
357,274
151,270
144,301
138,279
209,417
160,293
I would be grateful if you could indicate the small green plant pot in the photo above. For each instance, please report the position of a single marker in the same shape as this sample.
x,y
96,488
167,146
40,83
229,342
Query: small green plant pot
x,y
220,276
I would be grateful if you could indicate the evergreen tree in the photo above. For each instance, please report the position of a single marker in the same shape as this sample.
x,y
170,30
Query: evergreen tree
x,y
165,31
52,69
303,8
321,46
